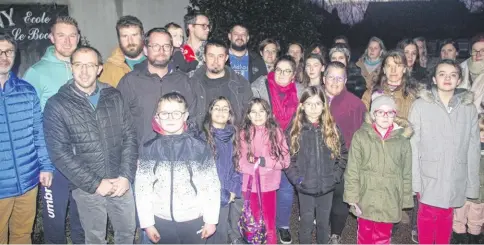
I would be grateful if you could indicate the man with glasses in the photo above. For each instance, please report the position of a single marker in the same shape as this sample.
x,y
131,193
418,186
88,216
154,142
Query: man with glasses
x,y
197,26
215,79
24,160
248,64
151,79
91,140
473,71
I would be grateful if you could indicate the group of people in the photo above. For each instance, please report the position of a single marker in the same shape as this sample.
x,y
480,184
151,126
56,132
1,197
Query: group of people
x,y
193,140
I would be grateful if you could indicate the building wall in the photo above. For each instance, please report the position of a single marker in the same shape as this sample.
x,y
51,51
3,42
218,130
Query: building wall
x,y
97,18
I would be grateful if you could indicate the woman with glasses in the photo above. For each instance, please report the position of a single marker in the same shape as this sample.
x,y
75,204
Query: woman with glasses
x,y
473,71
282,92
269,50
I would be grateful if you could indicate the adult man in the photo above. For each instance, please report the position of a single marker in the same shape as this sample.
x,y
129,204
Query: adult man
x,y
47,76
24,159
91,140
214,79
128,54
248,64
143,87
197,26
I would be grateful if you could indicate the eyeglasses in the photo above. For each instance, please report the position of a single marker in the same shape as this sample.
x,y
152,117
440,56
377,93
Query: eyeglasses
x,y
335,78
223,109
477,52
88,66
204,26
8,52
257,113
283,72
174,115
317,104
156,47
390,114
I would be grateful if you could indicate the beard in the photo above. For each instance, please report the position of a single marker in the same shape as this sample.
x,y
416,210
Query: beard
x,y
236,47
132,53
216,70
157,63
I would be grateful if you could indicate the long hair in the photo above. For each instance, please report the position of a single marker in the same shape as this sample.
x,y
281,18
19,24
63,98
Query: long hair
x,y
403,44
306,80
380,42
329,131
274,131
207,129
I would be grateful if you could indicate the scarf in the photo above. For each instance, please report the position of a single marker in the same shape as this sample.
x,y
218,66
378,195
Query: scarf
x,y
284,100
387,134
475,68
368,62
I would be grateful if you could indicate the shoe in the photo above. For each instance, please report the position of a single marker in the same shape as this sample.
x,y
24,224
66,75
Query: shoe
x,y
414,236
284,236
459,238
474,239
239,240
335,239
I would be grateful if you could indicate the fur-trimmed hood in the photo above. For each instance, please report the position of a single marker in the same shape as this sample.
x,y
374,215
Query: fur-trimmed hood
x,y
399,124
461,96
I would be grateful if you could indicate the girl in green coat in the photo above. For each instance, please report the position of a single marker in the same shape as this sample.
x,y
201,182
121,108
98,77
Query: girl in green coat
x,y
378,178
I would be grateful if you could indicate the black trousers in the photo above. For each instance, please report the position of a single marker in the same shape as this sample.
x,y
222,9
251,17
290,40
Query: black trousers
x,y
228,227
339,210
172,232
308,206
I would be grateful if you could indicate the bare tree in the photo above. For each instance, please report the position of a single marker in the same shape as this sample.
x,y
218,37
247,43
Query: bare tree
x,y
474,6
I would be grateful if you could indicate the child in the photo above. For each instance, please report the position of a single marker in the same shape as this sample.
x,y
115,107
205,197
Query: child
x,y
261,138
220,135
445,152
318,160
177,188
378,179
176,32
472,213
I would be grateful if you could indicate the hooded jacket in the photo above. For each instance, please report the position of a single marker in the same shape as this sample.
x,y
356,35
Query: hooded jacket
x,y
378,177
115,68
177,180
89,143
48,75
445,149
477,86
22,146
312,171
403,102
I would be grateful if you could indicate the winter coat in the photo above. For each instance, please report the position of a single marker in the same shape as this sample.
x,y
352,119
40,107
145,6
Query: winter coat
x,y
370,77
115,68
270,174
481,181
239,97
177,180
257,67
419,75
260,89
22,143
477,86
356,82
445,149
48,75
312,171
378,177
141,90
90,143
403,102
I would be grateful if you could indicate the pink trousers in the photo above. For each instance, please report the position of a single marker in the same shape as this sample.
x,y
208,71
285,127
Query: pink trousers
x,y
472,215
371,232
434,224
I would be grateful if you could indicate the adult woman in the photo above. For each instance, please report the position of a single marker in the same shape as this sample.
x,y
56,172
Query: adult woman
x,y
473,71
422,51
318,48
269,50
282,92
370,63
394,81
313,72
355,82
449,50
410,48
296,51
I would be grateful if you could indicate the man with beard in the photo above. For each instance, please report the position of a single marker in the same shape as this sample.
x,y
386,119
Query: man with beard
x,y
215,79
47,76
197,26
248,64
129,53
24,160
151,79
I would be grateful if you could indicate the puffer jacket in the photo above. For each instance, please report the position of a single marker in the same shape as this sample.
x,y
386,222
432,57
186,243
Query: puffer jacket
x,y
177,180
312,171
89,143
379,174
22,143
115,68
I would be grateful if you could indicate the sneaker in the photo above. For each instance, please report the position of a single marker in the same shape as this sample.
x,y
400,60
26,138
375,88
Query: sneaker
x,y
335,239
284,236
414,236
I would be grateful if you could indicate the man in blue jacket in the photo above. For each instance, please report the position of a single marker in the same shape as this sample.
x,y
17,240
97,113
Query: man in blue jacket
x,y
23,160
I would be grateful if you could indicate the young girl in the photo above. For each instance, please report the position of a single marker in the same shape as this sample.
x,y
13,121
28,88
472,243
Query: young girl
x,y
261,139
177,188
472,213
318,160
314,68
378,179
176,32
220,135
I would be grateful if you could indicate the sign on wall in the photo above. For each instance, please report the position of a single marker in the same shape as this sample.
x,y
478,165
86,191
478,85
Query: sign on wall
x,y
30,25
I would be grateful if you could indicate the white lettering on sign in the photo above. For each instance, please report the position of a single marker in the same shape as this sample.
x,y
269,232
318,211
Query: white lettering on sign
x,y
17,34
9,17
29,19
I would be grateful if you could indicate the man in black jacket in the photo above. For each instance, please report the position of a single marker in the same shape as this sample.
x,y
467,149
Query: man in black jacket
x,y
91,140
144,86
248,64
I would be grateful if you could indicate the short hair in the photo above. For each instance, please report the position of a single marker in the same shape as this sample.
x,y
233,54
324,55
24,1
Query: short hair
x,y
7,37
240,25
173,25
449,62
129,21
268,41
322,49
215,43
475,39
190,19
334,64
286,58
341,37
342,48
481,122
380,42
451,42
65,19
157,30
172,97
88,48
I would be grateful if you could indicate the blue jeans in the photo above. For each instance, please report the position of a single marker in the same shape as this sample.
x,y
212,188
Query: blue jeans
x,y
285,196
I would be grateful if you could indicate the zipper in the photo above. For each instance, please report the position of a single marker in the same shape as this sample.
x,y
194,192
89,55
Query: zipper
x,y
11,142
318,157
171,192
